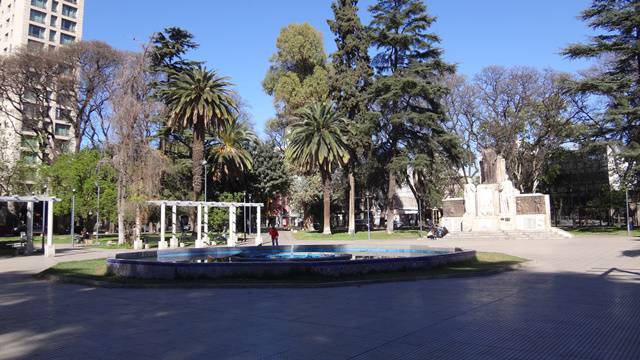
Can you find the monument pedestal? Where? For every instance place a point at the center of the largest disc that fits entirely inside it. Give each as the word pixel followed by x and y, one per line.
pixel 495 205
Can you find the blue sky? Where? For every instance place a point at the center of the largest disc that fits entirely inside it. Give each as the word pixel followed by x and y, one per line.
pixel 237 37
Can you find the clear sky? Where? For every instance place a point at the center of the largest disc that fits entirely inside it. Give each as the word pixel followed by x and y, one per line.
pixel 237 37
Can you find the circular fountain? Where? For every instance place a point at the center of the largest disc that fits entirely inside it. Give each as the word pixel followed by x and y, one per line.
pixel 280 261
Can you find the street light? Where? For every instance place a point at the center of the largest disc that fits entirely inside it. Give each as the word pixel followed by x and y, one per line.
pixel 249 214
pixel 98 214
pixel 626 205
pixel 73 213
pixel 420 215
pixel 367 195
pixel 204 163
pixel 44 207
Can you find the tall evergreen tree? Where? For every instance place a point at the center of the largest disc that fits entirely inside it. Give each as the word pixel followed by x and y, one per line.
pixel 349 83
pixel 408 90
pixel 619 81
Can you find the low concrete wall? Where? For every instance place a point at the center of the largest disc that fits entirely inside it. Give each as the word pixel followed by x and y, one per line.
pixel 127 265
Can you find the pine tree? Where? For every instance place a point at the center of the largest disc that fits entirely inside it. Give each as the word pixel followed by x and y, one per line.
pixel 408 91
pixel 349 83
pixel 619 81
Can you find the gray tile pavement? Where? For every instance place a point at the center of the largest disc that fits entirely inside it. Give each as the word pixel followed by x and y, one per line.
pixel 565 304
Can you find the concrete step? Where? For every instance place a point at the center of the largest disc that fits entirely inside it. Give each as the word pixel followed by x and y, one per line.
pixel 505 235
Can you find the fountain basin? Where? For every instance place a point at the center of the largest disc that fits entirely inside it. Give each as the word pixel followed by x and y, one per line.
pixel 280 261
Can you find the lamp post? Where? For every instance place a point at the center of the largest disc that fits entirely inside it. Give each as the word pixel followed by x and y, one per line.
pixel 73 214
pixel 44 209
pixel 98 214
pixel 250 214
pixel 626 205
pixel 420 216
pixel 204 164
pixel 367 195
pixel 244 216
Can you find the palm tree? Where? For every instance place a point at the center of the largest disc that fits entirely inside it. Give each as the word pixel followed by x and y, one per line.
pixel 229 153
pixel 317 141
pixel 198 99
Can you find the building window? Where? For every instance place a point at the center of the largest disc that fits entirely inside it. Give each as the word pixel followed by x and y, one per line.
pixel 62 130
pixel 68 25
pixel 37 16
pixel 52 35
pixel 53 21
pixel 66 39
pixel 62 146
pixel 63 114
pixel 29 142
pixel 36 31
pixel 39 3
pixel 54 6
pixel 34 45
pixel 69 11
pixel 29 158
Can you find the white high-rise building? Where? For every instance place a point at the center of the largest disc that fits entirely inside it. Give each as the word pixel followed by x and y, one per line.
pixel 38 24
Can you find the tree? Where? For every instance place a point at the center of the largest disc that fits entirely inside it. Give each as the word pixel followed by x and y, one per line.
pixel 349 83
pixel 269 175
pixel 317 142
pixel 463 109
pixel 198 99
pixel 298 74
pixel 619 80
pixel 29 82
pixel 229 153
pixel 525 115
pixel 407 91
pixel 86 93
pixel 81 172
pixel 139 165
pixel 169 47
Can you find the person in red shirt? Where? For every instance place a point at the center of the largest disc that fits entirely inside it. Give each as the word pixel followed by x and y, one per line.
pixel 274 235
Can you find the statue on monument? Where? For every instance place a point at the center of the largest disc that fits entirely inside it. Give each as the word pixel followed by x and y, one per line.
pixel 492 167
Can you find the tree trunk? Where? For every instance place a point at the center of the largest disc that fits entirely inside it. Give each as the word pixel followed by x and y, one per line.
pixel 197 155
pixel 120 195
pixel 390 201
pixel 138 223
pixel 326 203
pixel 352 202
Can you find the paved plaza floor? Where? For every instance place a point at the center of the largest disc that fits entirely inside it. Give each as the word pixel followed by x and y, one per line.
pixel 577 299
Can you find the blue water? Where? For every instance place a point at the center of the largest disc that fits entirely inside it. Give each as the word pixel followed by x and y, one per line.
pixel 296 255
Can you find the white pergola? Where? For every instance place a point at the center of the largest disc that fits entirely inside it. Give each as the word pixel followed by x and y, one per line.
pixel 49 248
pixel 202 212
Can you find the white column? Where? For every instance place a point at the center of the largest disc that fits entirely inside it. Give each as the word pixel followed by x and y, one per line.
pixel 258 235
pixel 29 228
pixel 162 244
pixel 173 243
pixel 231 241
pixel 49 249
pixel 199 243
pixel 206 225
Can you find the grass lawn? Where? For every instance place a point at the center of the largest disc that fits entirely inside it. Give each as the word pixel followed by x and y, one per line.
pixel 96 270
pixel 360 235
pixel 605 230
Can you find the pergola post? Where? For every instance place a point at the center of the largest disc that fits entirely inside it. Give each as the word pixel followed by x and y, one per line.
pixel 162 244
pixel 205 239
pixel 199 243
pixel 258 235
pixel 173 243
pixel 49 249
pixel 29 248
pixel 231 241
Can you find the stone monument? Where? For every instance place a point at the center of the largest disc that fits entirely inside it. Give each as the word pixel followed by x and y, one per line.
pixel 495 204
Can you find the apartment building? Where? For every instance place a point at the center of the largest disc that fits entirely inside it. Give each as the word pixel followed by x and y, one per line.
pixel 37 24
